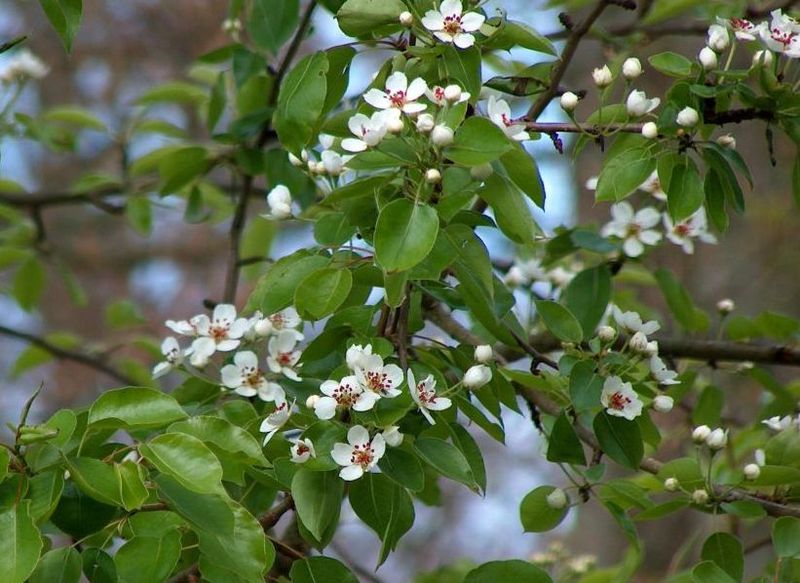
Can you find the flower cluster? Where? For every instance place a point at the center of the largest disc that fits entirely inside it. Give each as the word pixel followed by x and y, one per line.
pixel 23 64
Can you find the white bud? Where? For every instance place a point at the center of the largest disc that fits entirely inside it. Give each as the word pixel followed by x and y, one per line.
pixel 406 18
pixel 515 277
pixel 312 401
pixel 762 58
pixel 652 348
pixel 442 136
pixel 606 333
pixel 484 354
pixel 425 122
pixel 717 439
pixel 650 130
pixel 631 68
pixel 477 376
pixel 433 176
pixel 638 104
pixel 760 457
pixel 557 499
pixel 295 161
pixel 638 343
pixel 699 496
pixel 719 38
pixel 317 167
pixel 663 403
pixel 602 76
pixel 727 141
pixel 395 125
pixel 263 327
pixel 569 101
pixel 752 471
pixel 688 117
pixel 392 436
pixel 452 93
pixel 481 171
pixel 707 58
pixel 700 433
pixel 671 485
pixel 199 360
pixel 726 306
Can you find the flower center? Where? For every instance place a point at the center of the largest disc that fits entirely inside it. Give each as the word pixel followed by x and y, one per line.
pixel 506 120
pixel 362 455
pixel 398 98
pixel 425 396
pixel 345 395
pixel 682 230
pixel 252 377
pixel 172 356
pixel 378 381
pixel 219 331
pixel 302 448
pixel 785 37
pixel 618 401
pixel 741 24
pixel 633 230
pixel 438 94
pixel 284 358
pixel 277 321
pixel 452 24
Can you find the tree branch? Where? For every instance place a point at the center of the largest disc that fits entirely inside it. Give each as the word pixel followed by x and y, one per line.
pixel 272 517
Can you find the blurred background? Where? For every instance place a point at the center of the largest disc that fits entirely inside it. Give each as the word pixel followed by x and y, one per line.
pixel 124 48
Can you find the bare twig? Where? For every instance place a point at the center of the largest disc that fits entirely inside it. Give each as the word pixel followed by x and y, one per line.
pixel 272 517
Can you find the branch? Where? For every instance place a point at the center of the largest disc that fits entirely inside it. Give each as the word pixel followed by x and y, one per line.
pixel 272 517
pixel 66 354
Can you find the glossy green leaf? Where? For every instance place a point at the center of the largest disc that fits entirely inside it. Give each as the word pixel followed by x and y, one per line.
pixel 524 173
pixel 301 101
pixel 536 514
pixel 478 141
pixel 511 570
pixel 587 297
pixel 134 408
pixel 620 439
pixel 61 565
pixel 710 572
pixel 559 320
pixel 685 193
pixel 65 18
pixel 726 551
pixel 321 292
pixel 271 23
pixel 319 570
pixel 623 173
pixel 786 536
pixel 510 209
pixel 275 290
pixel 223 435
pixel 585 386
pixel 564 444
pixel 29 283
pixel 362 17
pixel 405 234
pixel 186 459
pixel 671 64
pixel 317 497
pixel 145 559
pixel 446 459
pixel 98 566
pixel 403 467
pixel 20 542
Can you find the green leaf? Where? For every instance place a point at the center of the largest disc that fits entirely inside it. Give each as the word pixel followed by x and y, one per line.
pixel 671 64
pixel 321 292
pixel 584 386
pixel 685 192
pixel 301 101
pixel 403 467
pixel 29 282
pixel 383 506
pixel 97 478
pixel 709 572
pixel 786 536
pixel 333 229
pixel 221 434
pixel 134 408
pixel 139 213
pixel 318 498
pixel 320 570
pixel 4 459
pixel 58 566
pixel 680 304
pixel 362 187
pixel 587 297
pixel 564 444
pixel 462 67
pixel 726 551
pixel 560 321
pixel 469 447
pixel 620 439
pixel 519 34
pixel 536 514
pixel 362 17
pixel 478 141
pixel 510 209
pixel 75 116
pixel 271 23
pixel 186 459
pixel 65 18
pixel 445 459
pixel 20 542
pixel 275 290
pixel 512 570
pixel 179 168
pixel 405 234
pixel 123 314
pixel 622 174
pixel 98 566
pixel 207 512
pixel 132 491
pixel 145 559
pixel 686 470
pixel 523 171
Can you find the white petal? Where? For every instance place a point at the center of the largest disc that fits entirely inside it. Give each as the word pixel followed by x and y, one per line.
pixel 472 21
pixel 450 7
pixel 325 408
pixel 394 374
pixel 351 473
pixel 161 369
pixel 231 376
pixel 203 347
pixel 269 391
pixel 328 387
pixel 414 107
pixel 464 41
pixel 632 247
pixel 352 145
pixel 342 453
pixel 622 212
pixel 378 447
pixel 227 345
pixel 397 81
pixel 649 237
pixel 224 312
pixel 377 98
pixel 433 20
pixel 366 401
pixel 245 391
pixel 357 434
pixel 648 217
pixel 416 89
pixel 169 345
pixel 445 37
pixel 440 404
pixel 246 359
pixel 427 415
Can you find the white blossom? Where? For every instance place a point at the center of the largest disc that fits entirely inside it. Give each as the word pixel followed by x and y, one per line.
pixel 652 186
pixel 334 163
pixel 557 499
pixel 778 423
pixel 279 200
pixel 356 356
pixel 743 29
pixel 392 436
pixel 360 454
pixel 344 394
pixel 442 136
pixel 286 319
pixel 700 496
pixel 631 322
pixel 717 439
pixel 424 395
pixel 727 141
pixel 283 357
pixel 23 63
pixel 638 342
pixel 569 101
pixel 707 58
pixel 671 485
pixel 222 332
pixel 701 433
pixel 500 115
pixel 726 306
pixel 173 357
pixel 762 58
pixel 302 451
pixel 406 18
pixel 781 35
pixel 369 131
pixel 451 25
pixel 650 130
pixel 606 333
pixel 275 420
pixel 686 231
pixel 602 76
pixel 483 354
pixel 635 229
pixel 631 68
pixel 688 117
pixel 638 104
pixel 752 471
pixel 718 38
pixel 381 379
pixel 433 176
pixel 425 123
pixel 663 403
pixel 477 376
pixel 661 373
pixel 246 378
pixel 399 94
pixel 620 399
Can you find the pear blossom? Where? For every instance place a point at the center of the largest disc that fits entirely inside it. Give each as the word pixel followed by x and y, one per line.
pixel 700 433
pixel 444 95
pixel 334 163
pixel 525 272
pixel 663 403
pixel 433 176
pixel 425 123
pixel 781 35
pixel 23 63
pixel 275 420
pixel 661 373
pixel 638 104
pixel 381 379
pixel 369 131
pixel 500 115
pixel 222 332
pixel 631 68
pixel 727 141
pixel 442 136
pixel 764 58
pixel 700 496
pixel 726 306
pixel 620 399
pixel 406 18
pixel 424 395
pixel 246 378
pixel 184 327
pixel 451 25
pixel 778 423
pixel 718 38
pixel 302 451
pixel 286 319
pixel 557 499
pixel 631 322
pixel 484 354
pixel 638 343
pixel 635 229
pixel 312 400
pixel 399 94
pixel 688 117
pixel 652 186
pixel 602 76
pixel 360 454
pixel 392 436
pixel 568 101
pixel 686 231
pixel 279 200
pixel 356 356
pixel 173 357
pixel 752 471
pixel 742 29
pixel 282 356
pixel 707 58
pixel 717 439
pixel 606 333
pixel 650 130
pixel 671 485
pixel 345 394
pixel 477 376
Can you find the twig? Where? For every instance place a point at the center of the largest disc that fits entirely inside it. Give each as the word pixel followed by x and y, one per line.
pixel 272 517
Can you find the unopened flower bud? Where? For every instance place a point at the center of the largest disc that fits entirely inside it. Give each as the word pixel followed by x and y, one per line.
pixel 650 130
pixel 452 93
pixel 406 18
pixel 631 68
pixel 752 471
pixel 700 496
pixel 762 58
pixel 557 499
pixel 392 436
pixel 718 38
pixel 727 141
pixel 569 101
pixel 606 333
pixel 717 439
pixel 295 161
pixel 484 354
pixel 638 343
pixel 602 77
pixel 671 485
pixel 726 306
pixel 312 401
pixel 477 376
pixel 481 171
pixel 395 125
pixel 700 433
pixel 425 122
pixel 688 117
pixel 433 176
pixel 663 403
pixel 652 348
pixel 263 327
pixel 707 58
pixel 442 136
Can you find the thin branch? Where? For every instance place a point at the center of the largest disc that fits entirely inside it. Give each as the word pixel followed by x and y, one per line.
pixel 272 517
pixel 66 354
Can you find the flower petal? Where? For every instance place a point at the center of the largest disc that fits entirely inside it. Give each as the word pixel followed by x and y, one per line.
pixel 357 434
pixel 342 454
pixel 351 473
